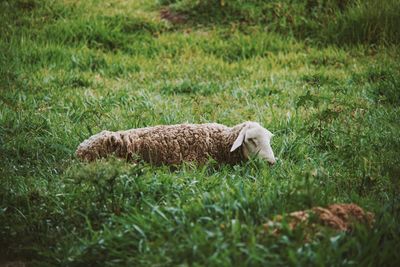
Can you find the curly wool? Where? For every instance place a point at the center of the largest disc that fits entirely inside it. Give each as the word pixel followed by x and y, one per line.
pixel 166 144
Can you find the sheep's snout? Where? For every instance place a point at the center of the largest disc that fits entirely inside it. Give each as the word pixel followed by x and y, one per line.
pixel 267 154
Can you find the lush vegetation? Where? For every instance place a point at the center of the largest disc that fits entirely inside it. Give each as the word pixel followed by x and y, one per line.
pixel 322 75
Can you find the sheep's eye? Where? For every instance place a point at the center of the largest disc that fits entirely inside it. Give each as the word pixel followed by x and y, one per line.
pixel 253 141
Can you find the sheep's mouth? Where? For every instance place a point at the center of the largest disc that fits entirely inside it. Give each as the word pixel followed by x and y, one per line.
pixel 258 154
pixel 266 158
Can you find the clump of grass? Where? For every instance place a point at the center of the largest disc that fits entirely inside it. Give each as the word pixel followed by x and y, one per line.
pixel 383 83
pixel 189 87
pixel 318 79
pixel 76 81
pixel 387 91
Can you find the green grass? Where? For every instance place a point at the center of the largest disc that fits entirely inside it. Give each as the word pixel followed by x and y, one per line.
pixel 70 69
pixel 317 21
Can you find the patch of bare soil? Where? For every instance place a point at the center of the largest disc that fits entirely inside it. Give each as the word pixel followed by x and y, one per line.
pixel 339 217
pixel 172 16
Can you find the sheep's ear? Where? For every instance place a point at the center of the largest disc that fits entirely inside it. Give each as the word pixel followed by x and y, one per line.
pixel 239 140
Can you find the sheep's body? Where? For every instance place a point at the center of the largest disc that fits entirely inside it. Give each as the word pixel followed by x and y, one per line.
pixel 163 144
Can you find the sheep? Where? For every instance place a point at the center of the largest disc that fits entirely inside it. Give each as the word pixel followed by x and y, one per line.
pixel 175 144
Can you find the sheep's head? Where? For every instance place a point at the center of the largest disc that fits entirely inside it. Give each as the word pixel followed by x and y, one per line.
pixel 255 140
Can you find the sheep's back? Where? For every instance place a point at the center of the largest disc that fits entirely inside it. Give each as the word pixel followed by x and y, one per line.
pixel 173 144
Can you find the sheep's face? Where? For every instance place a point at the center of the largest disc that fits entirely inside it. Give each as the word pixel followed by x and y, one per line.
pixel 255 141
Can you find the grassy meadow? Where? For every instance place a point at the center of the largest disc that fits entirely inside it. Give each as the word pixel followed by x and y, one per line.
pixel 322 75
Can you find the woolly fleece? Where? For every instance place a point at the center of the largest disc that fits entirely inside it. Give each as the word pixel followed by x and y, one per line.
pixel 166 144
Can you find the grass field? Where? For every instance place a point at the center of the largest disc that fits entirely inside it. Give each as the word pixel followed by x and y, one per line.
pixel 323 76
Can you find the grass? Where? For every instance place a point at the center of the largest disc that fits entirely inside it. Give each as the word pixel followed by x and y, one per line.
pixel 317 21
pixel 69 69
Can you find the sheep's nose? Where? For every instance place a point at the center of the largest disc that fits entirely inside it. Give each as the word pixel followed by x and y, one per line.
pixel 272 162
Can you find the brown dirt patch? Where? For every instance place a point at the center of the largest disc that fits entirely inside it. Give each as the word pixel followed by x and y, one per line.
pixel 339 217
pixel 172 16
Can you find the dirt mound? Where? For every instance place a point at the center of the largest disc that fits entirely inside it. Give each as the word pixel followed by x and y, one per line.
pixel 340 217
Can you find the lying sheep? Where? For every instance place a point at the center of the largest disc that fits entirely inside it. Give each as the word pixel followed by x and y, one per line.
pixel 174 144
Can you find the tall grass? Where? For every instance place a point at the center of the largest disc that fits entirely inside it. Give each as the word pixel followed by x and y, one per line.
pixel 323 21
pixel 373 22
